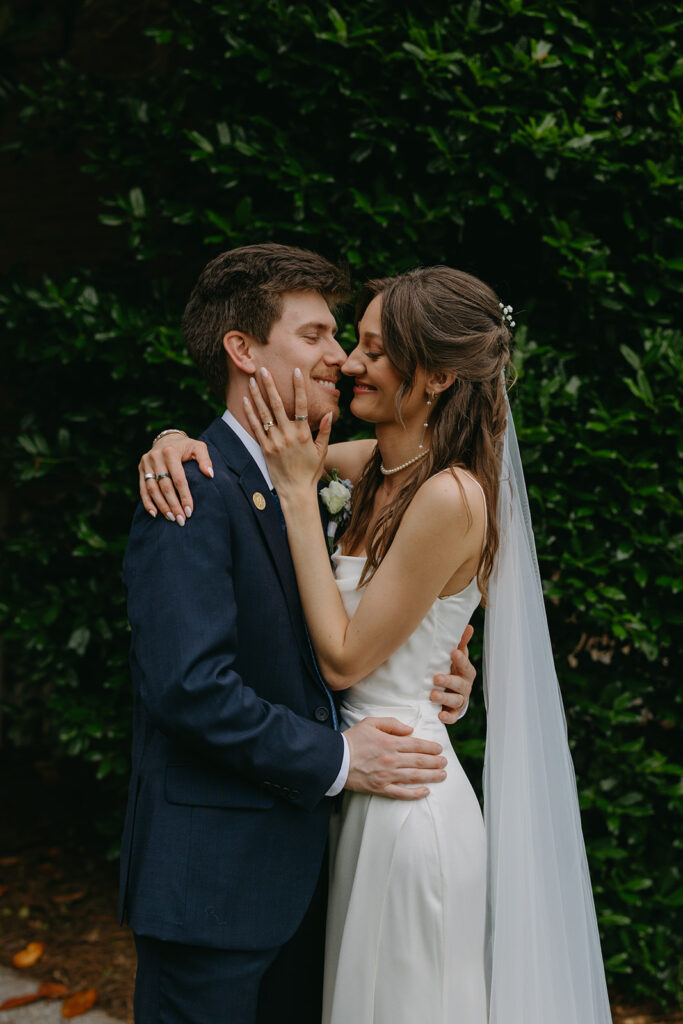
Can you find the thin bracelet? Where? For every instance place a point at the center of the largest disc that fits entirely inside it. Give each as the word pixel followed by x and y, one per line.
pixel 171 430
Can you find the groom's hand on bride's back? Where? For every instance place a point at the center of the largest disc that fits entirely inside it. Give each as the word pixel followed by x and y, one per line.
pixel 452 691
pixel 386 759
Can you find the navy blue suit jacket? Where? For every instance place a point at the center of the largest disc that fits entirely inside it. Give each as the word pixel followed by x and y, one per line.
pixel 234 744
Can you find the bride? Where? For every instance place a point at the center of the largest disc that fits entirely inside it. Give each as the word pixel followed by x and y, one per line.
pixel 432 915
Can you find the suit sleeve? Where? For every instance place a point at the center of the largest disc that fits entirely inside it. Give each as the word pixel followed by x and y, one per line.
pixel 183 615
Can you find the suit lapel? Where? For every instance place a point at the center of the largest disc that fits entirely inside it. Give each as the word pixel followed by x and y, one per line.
pixel 264 508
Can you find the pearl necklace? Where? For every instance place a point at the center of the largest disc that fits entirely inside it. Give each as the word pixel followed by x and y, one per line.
pixel 387 472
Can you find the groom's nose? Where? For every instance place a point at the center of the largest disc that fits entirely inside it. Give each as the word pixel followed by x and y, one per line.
pixel 336 355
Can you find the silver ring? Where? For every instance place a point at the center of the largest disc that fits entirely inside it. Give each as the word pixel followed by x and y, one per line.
pixel 161 476
pixel 150 476
pixel 268 425
pixel 301 419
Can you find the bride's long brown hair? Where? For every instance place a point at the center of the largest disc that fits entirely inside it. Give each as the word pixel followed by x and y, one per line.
pixel 441 320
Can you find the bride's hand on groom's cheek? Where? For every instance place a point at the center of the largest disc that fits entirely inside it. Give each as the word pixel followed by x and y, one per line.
pixel 161 477
pixel 453 691
pixel 295 458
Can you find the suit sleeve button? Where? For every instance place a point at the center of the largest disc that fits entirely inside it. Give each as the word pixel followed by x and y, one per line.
pixel 321 714
pixel 295 794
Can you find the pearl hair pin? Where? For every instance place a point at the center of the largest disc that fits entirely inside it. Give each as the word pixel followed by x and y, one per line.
pixel 507 315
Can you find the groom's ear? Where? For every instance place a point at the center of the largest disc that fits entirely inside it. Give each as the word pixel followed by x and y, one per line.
pixel 239 347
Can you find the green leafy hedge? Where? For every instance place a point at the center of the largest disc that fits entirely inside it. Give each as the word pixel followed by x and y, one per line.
pixel 534 145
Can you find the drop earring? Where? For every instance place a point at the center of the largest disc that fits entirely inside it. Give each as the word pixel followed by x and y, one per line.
pixel 431 398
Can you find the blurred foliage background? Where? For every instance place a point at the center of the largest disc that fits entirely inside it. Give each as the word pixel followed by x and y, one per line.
pixel 534 144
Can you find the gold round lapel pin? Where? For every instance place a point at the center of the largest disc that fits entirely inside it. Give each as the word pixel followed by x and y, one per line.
pixel 258 500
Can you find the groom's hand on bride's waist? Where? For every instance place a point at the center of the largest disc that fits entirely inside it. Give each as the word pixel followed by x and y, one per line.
pixel 386 759
pixel 453 691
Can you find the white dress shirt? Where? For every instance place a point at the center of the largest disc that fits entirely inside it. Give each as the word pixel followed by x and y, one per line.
pixel 254 449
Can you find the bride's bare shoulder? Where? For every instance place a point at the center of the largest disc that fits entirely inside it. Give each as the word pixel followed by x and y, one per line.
pixel 453 494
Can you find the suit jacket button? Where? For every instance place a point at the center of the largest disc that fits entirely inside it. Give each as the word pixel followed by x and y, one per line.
pixel 295 794
pixel 321 714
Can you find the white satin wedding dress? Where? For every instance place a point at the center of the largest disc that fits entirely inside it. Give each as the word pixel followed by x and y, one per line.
pixel 407 903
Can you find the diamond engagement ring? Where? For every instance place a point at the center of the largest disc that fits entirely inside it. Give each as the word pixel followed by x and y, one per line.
pixel 268 425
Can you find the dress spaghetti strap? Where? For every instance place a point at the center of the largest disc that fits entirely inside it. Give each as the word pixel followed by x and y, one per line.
pixel 486 514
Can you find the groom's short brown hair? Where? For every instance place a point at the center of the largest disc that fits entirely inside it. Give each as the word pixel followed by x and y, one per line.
pixel 241 290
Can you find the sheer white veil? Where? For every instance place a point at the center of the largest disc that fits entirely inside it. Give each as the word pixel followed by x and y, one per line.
pixel 543 949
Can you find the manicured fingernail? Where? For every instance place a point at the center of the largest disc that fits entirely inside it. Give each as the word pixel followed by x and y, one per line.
pixel 152 512
pixel 188 511
pixel 180 520
pixel 169 516
pixel 264 372
pixel 297 372
pixel 211 472
pixel 252 384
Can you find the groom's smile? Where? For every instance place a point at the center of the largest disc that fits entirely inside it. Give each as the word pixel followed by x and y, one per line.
pixel 329 383
pixel 304 337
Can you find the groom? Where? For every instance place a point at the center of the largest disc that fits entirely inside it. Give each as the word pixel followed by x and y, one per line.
pixel 236 746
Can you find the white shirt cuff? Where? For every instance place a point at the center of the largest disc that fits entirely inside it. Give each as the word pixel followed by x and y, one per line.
pixel 340 781
pixel 464 711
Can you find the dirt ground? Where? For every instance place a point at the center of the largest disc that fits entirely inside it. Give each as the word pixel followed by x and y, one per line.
pixel 58 888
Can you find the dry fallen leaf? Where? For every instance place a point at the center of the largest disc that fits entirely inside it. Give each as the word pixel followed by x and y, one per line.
pixel 52 990
pixel 3 889
pixel 68 897
pixel 11 1004
pixel 27 957
pixel 6 862
pixel 79 1003
pixel 48 990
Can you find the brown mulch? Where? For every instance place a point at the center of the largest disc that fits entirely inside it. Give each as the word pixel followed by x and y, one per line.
pixel 57 887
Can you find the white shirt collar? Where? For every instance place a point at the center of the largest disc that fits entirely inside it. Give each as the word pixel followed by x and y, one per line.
pixel 250 443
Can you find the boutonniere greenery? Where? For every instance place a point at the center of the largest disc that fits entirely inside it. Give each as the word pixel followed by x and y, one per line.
pixel 336 497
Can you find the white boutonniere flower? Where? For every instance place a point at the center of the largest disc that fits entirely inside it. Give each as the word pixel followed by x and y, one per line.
pixel 336 498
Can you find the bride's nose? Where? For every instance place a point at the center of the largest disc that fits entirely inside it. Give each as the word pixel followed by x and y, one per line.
pixel 353 365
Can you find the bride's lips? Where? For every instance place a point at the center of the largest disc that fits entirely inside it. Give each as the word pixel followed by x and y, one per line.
pixel 330 385
pixel 359 388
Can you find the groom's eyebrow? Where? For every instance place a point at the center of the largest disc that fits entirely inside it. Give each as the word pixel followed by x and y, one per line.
pixel 317 327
